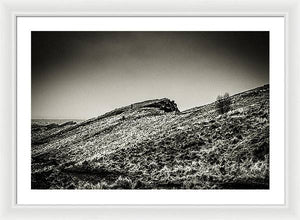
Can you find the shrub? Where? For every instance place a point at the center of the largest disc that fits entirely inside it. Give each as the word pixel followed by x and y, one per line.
pixel 223 103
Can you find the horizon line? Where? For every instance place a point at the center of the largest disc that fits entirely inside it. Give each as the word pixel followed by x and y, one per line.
pixel 145 101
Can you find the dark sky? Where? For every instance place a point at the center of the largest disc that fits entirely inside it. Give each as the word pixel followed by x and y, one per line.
pixel 85 74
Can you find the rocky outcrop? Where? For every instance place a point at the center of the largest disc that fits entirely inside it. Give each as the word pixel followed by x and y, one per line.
pixel 165 105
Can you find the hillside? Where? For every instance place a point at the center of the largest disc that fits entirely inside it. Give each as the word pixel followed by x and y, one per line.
pixel 152 145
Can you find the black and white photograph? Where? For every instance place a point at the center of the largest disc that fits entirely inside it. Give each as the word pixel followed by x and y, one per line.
pixel 150 110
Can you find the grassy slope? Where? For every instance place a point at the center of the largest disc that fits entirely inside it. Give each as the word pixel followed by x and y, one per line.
pixel 141 146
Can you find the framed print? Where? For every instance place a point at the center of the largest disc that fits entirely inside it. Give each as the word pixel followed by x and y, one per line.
pixel 100 95
pixel 123 114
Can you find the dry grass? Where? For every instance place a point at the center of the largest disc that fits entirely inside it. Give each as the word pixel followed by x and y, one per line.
pixel 148 148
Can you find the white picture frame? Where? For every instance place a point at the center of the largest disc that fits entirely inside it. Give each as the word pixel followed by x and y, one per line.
pixel 9 12
pixel 273 196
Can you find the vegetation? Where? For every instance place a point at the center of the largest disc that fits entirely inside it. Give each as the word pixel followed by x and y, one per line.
pixel 148 146
pixel 223 103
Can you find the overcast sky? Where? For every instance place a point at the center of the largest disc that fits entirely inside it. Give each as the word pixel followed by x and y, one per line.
pixel 79 75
